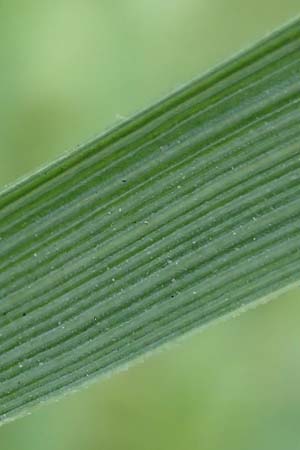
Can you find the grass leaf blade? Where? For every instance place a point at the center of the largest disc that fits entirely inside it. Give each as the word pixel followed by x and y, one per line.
pixel 185 213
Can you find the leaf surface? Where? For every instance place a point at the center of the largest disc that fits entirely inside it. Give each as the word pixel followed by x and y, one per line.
pixel 186 213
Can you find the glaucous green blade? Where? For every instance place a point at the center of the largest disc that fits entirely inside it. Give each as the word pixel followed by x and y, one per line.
pixel 185 213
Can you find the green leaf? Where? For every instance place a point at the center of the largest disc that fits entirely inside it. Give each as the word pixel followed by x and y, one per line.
pixel 184 214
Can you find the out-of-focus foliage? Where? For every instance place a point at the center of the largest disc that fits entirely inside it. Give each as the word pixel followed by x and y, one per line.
pixel 69 69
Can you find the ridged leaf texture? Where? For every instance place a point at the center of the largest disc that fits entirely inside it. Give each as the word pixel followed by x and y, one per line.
pixel 185 213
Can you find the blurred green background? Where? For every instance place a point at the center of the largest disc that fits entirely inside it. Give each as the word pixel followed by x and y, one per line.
pixel 70 69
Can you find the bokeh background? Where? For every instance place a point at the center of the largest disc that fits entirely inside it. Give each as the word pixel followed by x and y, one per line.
pixel 70 69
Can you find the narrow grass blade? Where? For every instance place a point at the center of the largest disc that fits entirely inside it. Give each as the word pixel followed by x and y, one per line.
pixel 185 213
